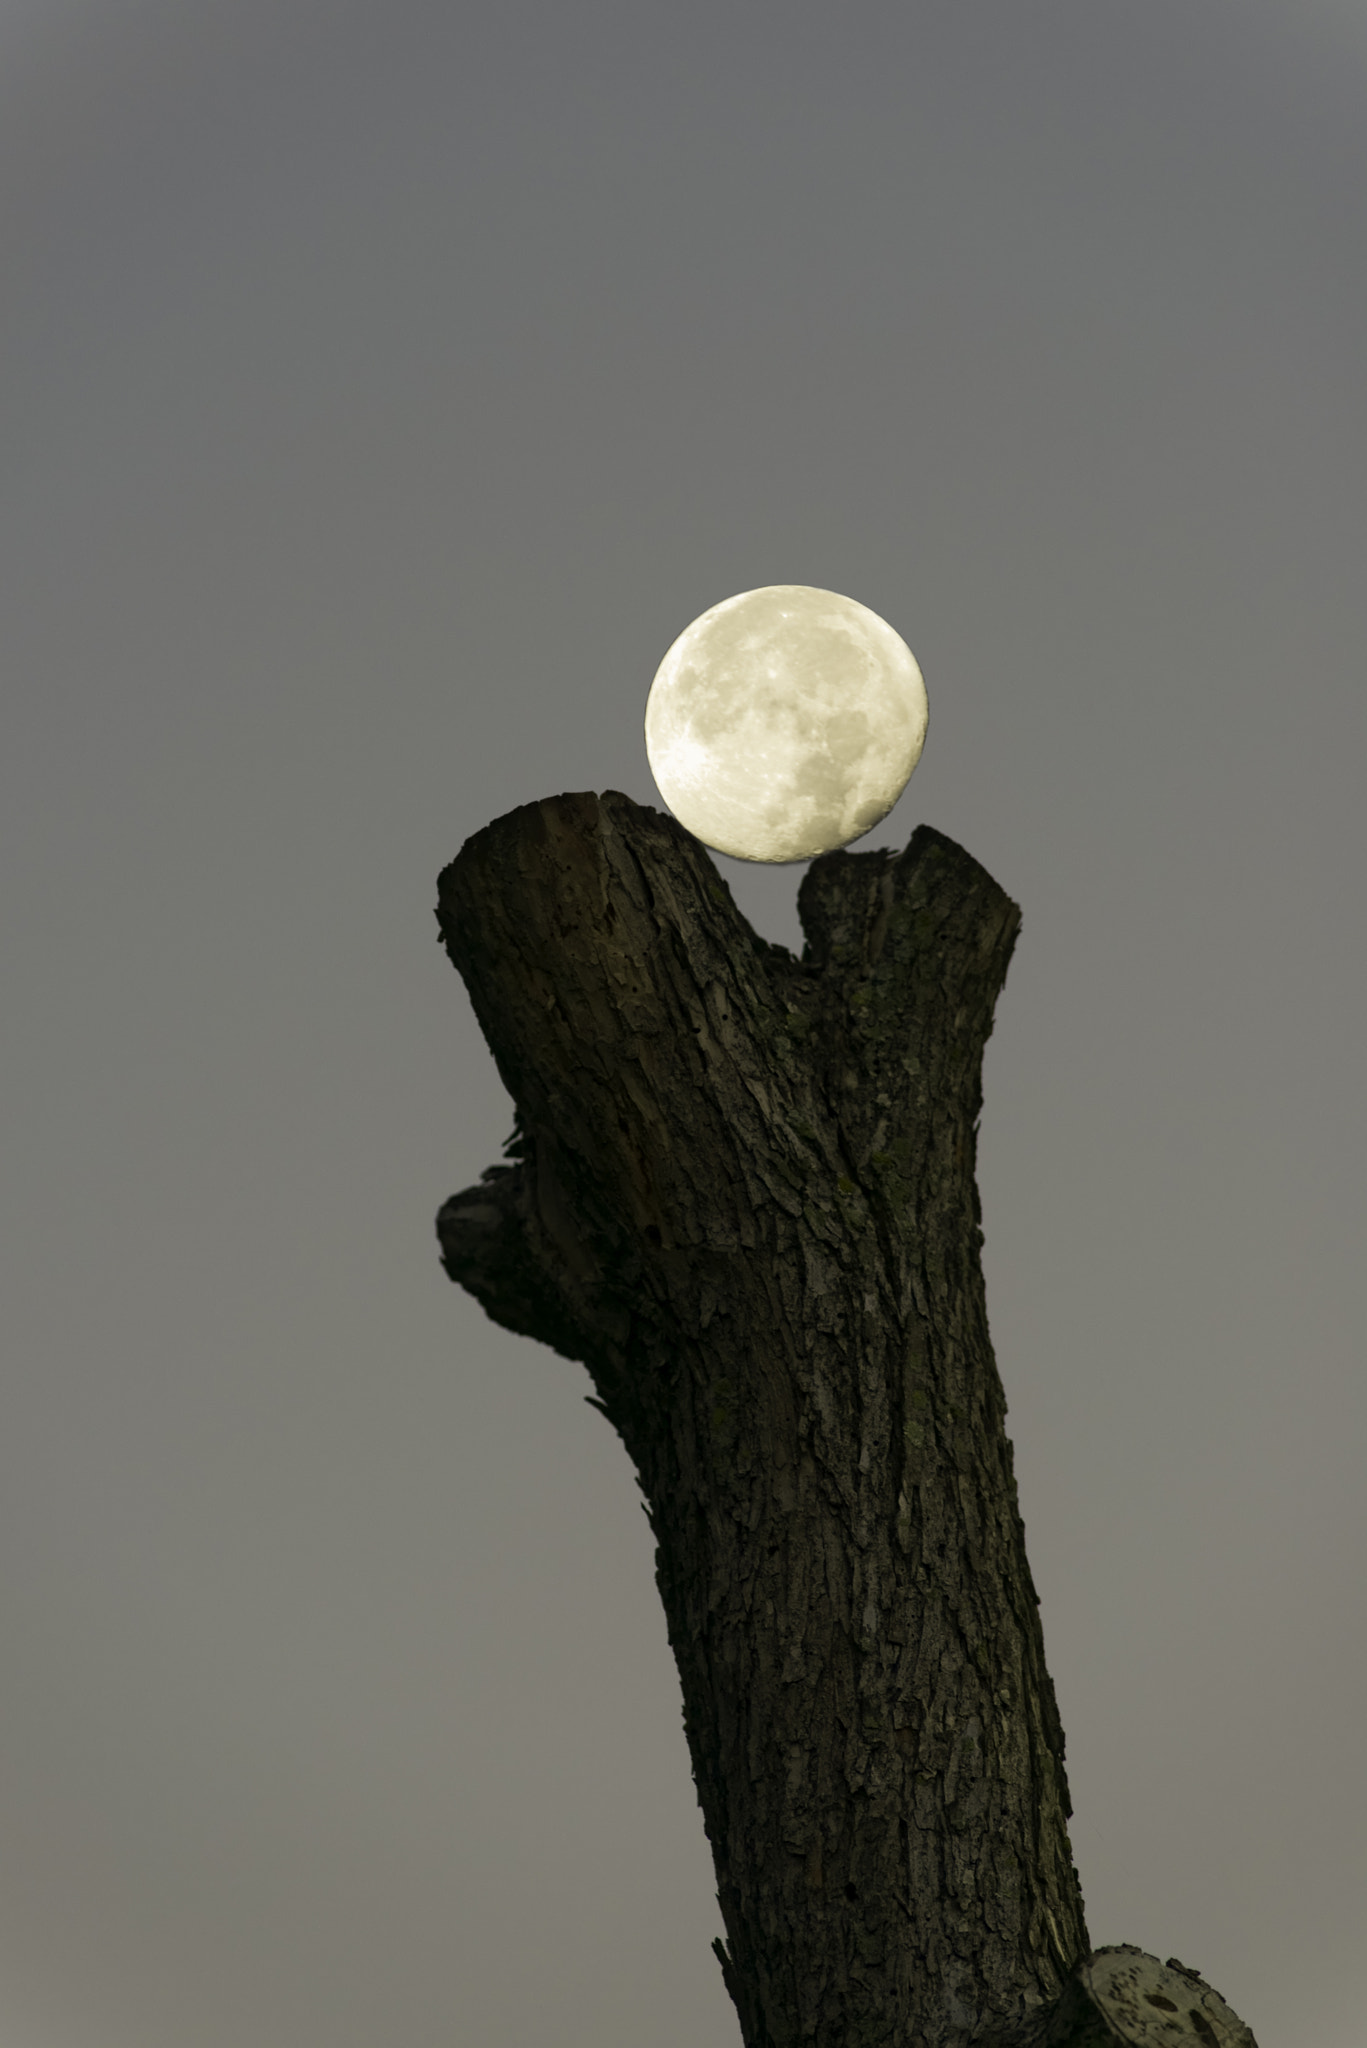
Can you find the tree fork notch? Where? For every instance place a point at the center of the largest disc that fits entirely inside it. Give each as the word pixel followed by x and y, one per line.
pixel 742 1192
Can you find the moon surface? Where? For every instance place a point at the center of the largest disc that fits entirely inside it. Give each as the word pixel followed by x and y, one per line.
pixel 785 722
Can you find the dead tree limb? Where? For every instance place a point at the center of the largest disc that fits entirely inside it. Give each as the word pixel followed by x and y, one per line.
pixel 741 1191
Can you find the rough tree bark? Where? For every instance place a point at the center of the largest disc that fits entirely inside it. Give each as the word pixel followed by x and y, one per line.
pixel 741 1190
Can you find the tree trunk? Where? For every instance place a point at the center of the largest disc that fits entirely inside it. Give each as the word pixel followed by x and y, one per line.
pixel 742 1193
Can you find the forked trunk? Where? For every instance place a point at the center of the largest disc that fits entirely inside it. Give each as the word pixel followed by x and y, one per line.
pixel 742 1192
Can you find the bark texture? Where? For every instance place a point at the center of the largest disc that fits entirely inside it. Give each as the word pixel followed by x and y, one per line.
pixel 741 1191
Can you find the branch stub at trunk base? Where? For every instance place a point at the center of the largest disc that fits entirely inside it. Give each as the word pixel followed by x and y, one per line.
pixel 1122 1998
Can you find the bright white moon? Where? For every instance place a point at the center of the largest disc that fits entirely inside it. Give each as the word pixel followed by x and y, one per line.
pixel 785 722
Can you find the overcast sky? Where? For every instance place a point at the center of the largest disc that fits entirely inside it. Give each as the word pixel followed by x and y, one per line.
pixel 385 387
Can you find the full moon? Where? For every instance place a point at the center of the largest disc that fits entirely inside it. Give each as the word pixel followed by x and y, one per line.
pixel 784 723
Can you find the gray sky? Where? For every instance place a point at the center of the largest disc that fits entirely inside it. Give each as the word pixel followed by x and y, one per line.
pixel 385 387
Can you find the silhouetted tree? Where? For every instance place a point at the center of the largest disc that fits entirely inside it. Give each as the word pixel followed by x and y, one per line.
pixel 741 1190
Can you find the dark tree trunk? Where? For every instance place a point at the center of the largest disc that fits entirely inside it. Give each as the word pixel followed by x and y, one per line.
pixel 742 1192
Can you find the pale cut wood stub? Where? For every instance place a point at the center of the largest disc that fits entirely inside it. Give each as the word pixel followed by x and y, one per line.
pixel 1122 1998
pixel 741 1190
